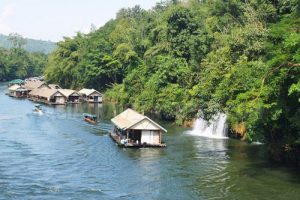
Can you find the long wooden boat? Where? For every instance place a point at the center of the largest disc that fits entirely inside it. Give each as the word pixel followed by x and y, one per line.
pixel 90 118
pixel 38 109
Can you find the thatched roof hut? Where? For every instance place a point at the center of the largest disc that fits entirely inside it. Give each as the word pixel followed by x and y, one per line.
pixel 137 129
pixel 91 95
pixel 71 95
pixel 49 96
pixel 17 91
pixel 17 87
pixel 35 84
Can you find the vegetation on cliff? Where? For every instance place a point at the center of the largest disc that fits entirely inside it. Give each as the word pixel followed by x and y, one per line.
pixel 233 56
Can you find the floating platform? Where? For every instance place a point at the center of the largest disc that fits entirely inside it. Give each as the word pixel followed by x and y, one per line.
pixel 117 139
pixel 17 97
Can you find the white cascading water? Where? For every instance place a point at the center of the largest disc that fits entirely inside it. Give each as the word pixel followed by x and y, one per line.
pixel 215 128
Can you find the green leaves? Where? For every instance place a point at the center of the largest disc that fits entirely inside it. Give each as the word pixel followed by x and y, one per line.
pixel 18 63
pixel 237 57
pixel 295 89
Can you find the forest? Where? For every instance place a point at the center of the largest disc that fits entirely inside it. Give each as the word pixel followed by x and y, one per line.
pixel 30 45
pixel 182 59
pixel 16 62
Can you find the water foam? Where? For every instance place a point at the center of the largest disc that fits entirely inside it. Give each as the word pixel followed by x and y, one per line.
pixel 215 128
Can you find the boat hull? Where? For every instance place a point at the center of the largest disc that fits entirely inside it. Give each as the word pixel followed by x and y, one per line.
pixel 90 121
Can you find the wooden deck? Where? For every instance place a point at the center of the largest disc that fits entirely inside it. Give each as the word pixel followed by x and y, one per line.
pixel 116 138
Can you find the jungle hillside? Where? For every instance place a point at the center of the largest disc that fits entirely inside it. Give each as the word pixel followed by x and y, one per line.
pixel 31 45
pixel 182 59
pixel 17 62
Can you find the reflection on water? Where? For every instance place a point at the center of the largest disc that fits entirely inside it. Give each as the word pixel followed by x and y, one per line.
pixel 59 156
pixel 211 175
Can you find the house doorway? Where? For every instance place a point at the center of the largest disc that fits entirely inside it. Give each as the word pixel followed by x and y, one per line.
pixel 135 136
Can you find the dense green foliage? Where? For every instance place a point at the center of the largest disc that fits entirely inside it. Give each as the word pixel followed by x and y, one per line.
pixel 18 63
pixel 234 56
pixel 38 46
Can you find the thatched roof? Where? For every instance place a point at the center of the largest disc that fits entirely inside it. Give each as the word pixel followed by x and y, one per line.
pixel 130 119
pixel 67 92
pixel 44 92
pixel 88 92
pixel 16 87
pixel 31 85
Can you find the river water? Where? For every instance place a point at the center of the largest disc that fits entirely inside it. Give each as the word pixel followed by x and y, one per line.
pixel 59 156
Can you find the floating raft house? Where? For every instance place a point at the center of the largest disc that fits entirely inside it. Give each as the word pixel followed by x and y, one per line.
pixel 17 91
pixel 133 129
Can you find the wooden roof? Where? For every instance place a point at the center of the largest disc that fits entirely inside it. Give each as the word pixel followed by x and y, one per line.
pixel 67 92
pixel 88 92
pixel 44 92
pixel 31 85
pixel 130 119
pixel 15 87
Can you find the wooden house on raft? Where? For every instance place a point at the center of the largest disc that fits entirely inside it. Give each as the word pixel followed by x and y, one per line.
pixel 90 95
pixel 35 84
pixel 17 91
pixel 47 96
pixel 133 129
pixel 71 95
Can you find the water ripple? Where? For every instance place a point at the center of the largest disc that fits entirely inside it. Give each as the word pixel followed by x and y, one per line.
pixel 59 156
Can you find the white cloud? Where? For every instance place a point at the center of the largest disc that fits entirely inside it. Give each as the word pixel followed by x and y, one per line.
pixel 5 13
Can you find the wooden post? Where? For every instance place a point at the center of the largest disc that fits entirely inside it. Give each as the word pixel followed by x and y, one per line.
pixel 159 137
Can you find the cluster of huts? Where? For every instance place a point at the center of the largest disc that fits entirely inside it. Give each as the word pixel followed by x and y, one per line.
pixel 38 91
pixel 131 129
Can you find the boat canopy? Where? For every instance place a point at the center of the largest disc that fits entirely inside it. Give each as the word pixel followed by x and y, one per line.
pixel 87 115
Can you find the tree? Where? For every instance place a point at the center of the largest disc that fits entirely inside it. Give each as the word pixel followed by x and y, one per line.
pixel 17 40
pixel 237 57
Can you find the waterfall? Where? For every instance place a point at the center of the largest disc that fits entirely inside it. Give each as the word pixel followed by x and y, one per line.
pixel 215 128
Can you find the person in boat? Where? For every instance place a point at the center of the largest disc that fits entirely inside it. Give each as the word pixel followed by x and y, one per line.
pixel 90 118
pixel 37 108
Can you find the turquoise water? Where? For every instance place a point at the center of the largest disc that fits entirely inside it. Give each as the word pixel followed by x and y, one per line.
pixel 59 156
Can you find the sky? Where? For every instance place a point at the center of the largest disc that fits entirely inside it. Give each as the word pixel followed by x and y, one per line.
pixel 53 19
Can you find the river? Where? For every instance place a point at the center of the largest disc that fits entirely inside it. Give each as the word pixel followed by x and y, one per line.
pixel 59 156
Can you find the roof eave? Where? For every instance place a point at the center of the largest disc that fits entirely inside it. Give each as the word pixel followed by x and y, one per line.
pixel 145 117
pixel 125 128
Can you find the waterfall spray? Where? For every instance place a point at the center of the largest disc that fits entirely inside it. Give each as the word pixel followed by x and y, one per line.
pixel 214 128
